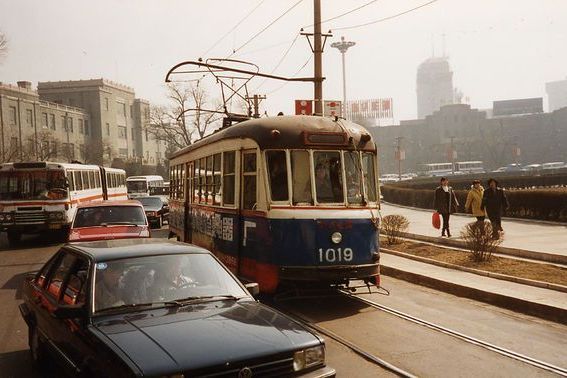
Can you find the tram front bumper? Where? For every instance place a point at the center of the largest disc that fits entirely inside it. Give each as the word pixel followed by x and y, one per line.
pixel 332 273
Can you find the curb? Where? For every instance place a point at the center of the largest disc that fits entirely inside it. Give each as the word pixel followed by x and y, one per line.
pixel 539 310
pixel 540 256
pixel 505 277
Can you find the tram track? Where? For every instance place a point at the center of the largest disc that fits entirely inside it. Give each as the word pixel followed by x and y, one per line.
pixel 461 336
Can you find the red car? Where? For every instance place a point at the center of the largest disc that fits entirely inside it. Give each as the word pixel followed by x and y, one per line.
pixel 109 220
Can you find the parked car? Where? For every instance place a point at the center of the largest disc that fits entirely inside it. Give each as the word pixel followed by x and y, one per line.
pixel 156 208
pixel 109 220
pixel 389 177
pixel 553 166
pixel 150 307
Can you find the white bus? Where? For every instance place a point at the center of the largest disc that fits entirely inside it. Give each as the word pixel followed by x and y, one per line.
pixel 467 167
pixel 436 169
pixel 141 186
pixel 39 196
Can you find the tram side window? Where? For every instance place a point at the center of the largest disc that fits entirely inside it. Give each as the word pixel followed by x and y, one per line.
pixel 301 178
pixel 277 174
pixel 228 178
pixel 249 181
pixel 209 179
pixel 328 177
pixel 353 179
pixel 369 177
pixel 217 200
pixel 196 185
pixel 180 181
pixel 202 184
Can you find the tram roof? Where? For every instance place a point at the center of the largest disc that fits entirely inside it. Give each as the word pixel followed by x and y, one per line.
pixel 293 132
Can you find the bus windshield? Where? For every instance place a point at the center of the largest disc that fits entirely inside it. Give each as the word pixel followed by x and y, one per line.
pixel 33 185
pixel 137 186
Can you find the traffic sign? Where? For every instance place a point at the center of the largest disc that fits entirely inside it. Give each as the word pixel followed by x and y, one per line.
pixel 303 107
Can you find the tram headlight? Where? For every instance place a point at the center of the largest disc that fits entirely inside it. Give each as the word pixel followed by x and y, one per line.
pixel 309 357
pixel 336 237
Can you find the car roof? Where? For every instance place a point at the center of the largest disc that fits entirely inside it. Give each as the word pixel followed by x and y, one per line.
pixel 110 203
pixel 105 250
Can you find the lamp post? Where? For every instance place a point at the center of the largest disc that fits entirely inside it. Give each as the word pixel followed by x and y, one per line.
pixel 343 46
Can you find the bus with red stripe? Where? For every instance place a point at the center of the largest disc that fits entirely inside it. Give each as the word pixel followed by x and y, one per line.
pixel 41 196
pixel 282 199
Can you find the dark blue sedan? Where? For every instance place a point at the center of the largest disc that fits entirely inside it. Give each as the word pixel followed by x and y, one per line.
pixel 144 307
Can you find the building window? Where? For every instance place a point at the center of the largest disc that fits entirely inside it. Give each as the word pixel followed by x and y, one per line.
pixel 13 115
pixel 44 120
pixel 106 103
pixel 146 135
pixel 108 129
pixel 121 108
pixel 63 120
pixel 82 151
pixel 53 148
pixel 81 127
pixel 122 133
pixel 70 124
pixel 52 121
pixel 133 136
pixel 87 129
pixel 29 117
pixel 131 111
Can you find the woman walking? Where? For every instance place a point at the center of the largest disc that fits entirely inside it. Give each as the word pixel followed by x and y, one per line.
pixel 445 202
pixel 474 201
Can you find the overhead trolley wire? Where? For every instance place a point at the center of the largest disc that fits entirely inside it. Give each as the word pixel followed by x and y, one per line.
pixel 294 75
pixel 234 27
pixel 344 14
pixel 279 62
pixel 386 18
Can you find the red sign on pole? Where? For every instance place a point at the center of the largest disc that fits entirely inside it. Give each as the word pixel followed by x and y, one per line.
pixel 303 107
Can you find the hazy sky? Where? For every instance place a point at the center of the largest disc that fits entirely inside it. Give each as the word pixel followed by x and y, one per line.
pixel 498 49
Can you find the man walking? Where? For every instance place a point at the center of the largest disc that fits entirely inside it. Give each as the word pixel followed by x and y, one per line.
pixel 494 201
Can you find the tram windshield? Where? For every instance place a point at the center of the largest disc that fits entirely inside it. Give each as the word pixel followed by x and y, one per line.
pixel 33 185
pixel 330 170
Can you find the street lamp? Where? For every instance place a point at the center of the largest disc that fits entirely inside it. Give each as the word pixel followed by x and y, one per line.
pixel 343 46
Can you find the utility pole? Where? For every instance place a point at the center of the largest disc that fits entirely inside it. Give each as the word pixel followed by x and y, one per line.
pixel 399 156
pixel 343 46
pixel 256 102
pixel 318 52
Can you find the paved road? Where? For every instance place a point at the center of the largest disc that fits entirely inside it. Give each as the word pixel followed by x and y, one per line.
pixel 531 236
pixel 33 253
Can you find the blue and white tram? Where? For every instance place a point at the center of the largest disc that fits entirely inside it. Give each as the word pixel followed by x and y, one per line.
pixel 288 198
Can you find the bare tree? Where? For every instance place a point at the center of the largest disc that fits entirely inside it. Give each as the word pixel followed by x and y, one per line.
pixel 479 241
pixel 176 124
pixel 41 147
pixel 394 226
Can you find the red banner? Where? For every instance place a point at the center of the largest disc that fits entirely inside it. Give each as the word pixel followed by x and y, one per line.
pixel 303 107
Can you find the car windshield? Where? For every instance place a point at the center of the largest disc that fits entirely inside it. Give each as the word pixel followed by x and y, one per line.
pixel 109 215
pixel 150 201
pixel 32 185
pixel 136 186
pixel 150 280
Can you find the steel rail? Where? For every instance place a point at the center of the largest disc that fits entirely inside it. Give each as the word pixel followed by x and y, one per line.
pixel 472 340
pixel 355 348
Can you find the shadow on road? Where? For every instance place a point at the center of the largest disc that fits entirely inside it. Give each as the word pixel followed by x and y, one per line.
pixel 31 241
pixel 18 364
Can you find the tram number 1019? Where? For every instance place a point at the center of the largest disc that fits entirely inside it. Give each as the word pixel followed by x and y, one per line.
pixel 335 255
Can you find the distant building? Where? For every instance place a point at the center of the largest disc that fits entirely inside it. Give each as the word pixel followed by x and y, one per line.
pixel 517 107
pixel 434 86
pixel 94 121
pixel 556 94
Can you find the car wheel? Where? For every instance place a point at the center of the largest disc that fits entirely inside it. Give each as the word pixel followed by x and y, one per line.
pixel 14 237
pixel 37 348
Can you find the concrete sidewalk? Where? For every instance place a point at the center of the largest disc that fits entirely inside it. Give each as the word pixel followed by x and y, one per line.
pixel 528 238
pixel 540 302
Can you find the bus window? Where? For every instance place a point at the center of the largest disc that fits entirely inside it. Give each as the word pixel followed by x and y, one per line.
pixel 85 176
pixel 301 178
pixel 369 178
pixel 78 180
pixel 228 178
pixel 249 181
pixel 277 174
pixel 97 180
pixel 217 200
pixel 92 179
pixel 353 179
pixel 71 180
pixel 328 177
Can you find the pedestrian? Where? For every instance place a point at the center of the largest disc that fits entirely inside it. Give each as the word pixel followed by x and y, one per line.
pixel 474 201
pixel 445 202
pixel 494 201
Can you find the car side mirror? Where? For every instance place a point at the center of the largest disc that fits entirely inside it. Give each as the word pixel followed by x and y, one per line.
pixel 70 311
pixel 253 288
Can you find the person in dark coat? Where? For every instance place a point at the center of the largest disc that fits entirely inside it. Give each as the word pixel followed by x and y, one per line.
pixel 494 201
pixel 445 202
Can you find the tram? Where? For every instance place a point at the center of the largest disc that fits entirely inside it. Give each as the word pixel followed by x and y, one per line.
pixel 287 198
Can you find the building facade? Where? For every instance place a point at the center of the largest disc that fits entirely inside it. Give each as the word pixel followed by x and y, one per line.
pixel 95 121
pixel 556 94
pixel 434 86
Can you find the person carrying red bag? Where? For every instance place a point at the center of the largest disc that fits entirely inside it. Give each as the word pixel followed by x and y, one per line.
pixel 445 203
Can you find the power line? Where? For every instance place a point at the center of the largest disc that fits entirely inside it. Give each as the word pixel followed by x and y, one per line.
pixel 266 27
pixel 248 52
pixel 294 75
pixel 234 27
pixel 386 18
pixel 344 14
pixel 279 62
